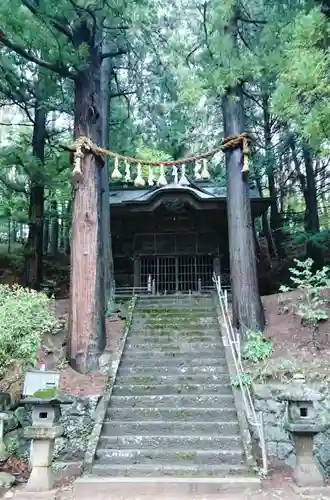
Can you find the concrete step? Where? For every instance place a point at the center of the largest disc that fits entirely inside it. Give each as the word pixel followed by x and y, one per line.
pixel 169 362
pixel 163 389
pixel 146 340
pixel 186 331
pixel 170 457
pixel 153 371
pixel 162 356
pixel 169 427
pixel 181 414
pixel 175 322
pixel 177 379
pixel 175 308
pixel 174 400
pixel 172 442
pixel 175 345
pixel 213 484
pixel 158 470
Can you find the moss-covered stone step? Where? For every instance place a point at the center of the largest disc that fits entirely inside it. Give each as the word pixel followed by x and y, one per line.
pixel 183 414
pixel 161 321
pixel 154 370
pixel 174 400
pixel 188 388
pixel 192 338
pixel 162 356
pixel 165 331
pixel 172 442
pixel 169 427
pixel 169 470
pixel 171 457
pixel 158 379
pixel 180 362
pixel 183 345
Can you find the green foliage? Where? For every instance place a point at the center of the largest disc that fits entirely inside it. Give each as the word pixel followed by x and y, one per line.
pixel 24 317
pixel 256 348
pixel 245 377
pixel 310 306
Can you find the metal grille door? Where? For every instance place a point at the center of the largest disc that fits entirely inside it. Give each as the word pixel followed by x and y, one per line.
pixel 181 274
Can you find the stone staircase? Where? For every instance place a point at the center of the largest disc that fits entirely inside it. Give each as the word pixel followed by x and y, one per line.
pixel 172 413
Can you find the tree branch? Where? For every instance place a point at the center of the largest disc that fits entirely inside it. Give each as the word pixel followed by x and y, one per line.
pixel 59 68
pixel 58 25
pixel 119 52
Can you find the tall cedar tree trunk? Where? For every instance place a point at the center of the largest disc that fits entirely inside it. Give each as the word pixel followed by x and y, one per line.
pixel 275 218
pixel 312 222
pixel 46 233
pixel 54 229
pixel 109 288
pixel 308 189
pixel 32 275
pixel 87 319
pixel 248 313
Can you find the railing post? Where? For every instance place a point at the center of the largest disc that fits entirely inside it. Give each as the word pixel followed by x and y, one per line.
pixel 153 287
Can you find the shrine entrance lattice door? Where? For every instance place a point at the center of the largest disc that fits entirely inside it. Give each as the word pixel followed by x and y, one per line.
pixel 177 274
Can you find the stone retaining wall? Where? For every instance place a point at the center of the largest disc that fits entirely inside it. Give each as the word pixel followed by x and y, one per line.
pixel 278 441
pixel 77 420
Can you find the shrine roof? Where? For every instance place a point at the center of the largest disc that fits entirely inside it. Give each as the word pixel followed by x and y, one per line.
pixel 202 191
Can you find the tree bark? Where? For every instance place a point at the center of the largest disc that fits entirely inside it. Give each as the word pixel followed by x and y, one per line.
pixel 54 229
pixel 109 286
pixel 32 276
pixel 248 313
pixel 312 222
pixel 46 233
pixel 87 319
pixel 275 219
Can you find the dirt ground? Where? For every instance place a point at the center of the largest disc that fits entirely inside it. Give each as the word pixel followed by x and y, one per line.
pixel 52 354
pixel 293 346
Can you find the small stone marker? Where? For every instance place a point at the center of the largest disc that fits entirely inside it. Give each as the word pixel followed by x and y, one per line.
pixel 3 451
pixel 41 392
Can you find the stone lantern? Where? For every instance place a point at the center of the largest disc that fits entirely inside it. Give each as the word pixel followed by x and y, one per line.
pixel 303 424
pixel 41 392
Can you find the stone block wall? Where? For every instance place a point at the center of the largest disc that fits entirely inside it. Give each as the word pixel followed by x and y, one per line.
pixel 278 441
pixel 77 420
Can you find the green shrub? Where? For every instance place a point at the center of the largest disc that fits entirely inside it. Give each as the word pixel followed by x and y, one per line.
pixel 311 304
pixel 257 347
pixel 24 317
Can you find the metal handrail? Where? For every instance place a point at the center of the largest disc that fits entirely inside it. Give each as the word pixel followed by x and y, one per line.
pixel 233 342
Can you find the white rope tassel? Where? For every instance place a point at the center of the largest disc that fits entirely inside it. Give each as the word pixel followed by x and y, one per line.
pixel 116 175
pixel 197 171
pixel 205 174
pixel 127 177
pixel 175 174
pixel 139 181
pixel 183 179
pixel 162 179
pixel 151 179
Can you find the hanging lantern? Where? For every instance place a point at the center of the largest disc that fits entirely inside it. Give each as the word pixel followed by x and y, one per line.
pixel 197 169
pixel 162 179
pixel 139 181
pixel 116 175
pixel 151 179
pixel 175 175
pixel 205 174
pixel 183 178
pixel 127 177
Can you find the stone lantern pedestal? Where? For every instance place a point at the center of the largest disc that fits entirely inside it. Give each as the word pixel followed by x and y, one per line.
pixel 40 390
pixel 302 423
